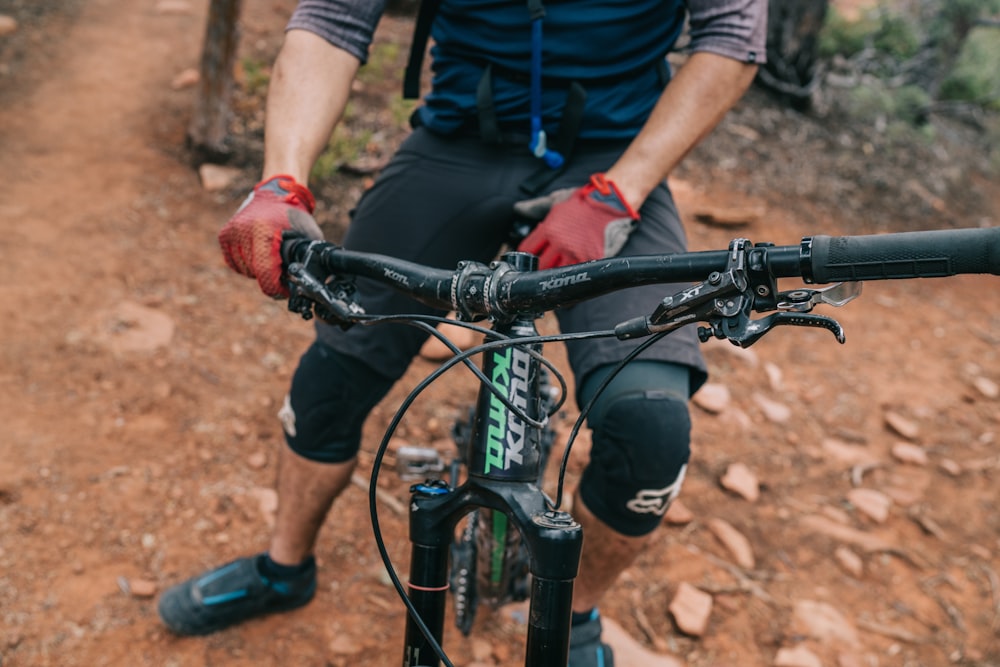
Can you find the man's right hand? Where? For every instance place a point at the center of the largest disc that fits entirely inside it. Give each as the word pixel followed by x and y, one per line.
pixel 251 240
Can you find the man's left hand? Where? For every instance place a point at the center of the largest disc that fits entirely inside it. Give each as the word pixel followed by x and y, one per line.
pixel 579 224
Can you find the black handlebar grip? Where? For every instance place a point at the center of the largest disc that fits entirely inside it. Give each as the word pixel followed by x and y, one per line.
pixel 902 255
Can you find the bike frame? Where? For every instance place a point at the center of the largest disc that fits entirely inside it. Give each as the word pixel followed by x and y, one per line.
pixel 504 466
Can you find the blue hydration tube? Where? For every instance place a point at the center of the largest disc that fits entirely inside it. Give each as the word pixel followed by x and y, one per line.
pixel 538 146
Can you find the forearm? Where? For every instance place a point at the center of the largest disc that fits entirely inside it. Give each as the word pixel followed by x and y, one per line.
pixel 309 88
pixel 693 103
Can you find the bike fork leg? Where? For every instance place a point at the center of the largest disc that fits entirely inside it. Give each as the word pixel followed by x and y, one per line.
pixel 427 587
pixel 548 633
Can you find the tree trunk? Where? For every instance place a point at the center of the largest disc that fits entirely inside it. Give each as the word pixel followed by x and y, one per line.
pixel 793 28
pixel 208 133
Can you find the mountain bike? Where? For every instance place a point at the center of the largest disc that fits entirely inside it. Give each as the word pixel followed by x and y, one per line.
pixel 504 450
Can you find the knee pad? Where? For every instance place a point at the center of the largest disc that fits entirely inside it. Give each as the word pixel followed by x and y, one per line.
pixel 641 446
pixel 329 400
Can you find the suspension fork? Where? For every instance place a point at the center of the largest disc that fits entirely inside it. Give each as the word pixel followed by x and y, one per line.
pixel 504 467
pixel 553 539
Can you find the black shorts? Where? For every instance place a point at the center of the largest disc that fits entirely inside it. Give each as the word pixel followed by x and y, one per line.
pixel 444 199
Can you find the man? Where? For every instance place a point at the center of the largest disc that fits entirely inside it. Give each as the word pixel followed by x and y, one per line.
pixel 570 98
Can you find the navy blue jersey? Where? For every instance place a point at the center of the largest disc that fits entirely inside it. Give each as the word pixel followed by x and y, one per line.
pixel 615 49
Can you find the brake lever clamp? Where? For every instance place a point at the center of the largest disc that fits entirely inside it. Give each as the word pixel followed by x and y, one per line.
pixel 330 299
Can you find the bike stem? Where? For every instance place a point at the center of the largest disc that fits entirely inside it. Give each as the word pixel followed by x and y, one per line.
pixel 504 469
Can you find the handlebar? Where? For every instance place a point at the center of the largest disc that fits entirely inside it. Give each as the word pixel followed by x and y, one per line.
pixel 504 288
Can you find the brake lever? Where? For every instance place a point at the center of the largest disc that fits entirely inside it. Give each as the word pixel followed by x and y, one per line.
pixel 744 332
pixel 332 301
pixel 803 300
pixel 725 300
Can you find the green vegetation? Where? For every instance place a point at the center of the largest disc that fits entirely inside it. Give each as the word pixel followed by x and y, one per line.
pixel 883 31
pixel 384 62
pixel 346 144
pixel 256 76
pixel 976 76
pixel 913 58
pixel 844 37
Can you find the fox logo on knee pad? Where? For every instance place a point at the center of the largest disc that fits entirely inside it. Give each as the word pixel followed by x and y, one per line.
pixel 657 501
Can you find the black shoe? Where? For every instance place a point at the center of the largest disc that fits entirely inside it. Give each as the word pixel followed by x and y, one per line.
pixel 231 594
pixel 585 646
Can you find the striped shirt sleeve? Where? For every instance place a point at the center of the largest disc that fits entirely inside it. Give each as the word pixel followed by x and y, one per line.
pixel 348 24
pixel 733 28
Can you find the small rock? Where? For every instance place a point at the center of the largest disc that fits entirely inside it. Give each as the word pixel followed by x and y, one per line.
pixel 747 133
pixel 240 428
pixel 140 588
pixel 461 337
pixel 837 514
pixel 740 480
pixel 850 660
pixel 8 25
pixel 904 495
pixel 951 467
pixel 737 543
pixel 799 656
pixel 678 514
pixel 482 650
pixel 216 177
pixel 901 425
pixel 257 460
pixel 345 645
pixel 846 453
pixel 272 360
pixel 775 378
pixel 980 551
pixel 267 501
pixel 821 621
pixel 775 412
pixel 174 7
pixel 712 397
pixel 185 79
pixel 873 504
pixel 691 609
pixel 850 561
pixel 857 538
pixel 986 387
pixel 737 419
pixel 905 452
pixel 131 327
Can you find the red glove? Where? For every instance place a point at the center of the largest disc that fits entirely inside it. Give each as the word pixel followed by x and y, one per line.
pixel 579 224
pixel 251 240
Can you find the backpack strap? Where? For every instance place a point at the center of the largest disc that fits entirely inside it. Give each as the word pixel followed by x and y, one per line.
pixel 418 47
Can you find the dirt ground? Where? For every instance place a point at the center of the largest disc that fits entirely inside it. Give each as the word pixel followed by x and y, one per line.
pixel 140 378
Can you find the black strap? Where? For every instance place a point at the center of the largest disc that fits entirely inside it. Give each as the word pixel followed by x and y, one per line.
pixel 418 47
pixel 489 128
